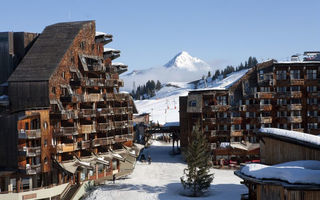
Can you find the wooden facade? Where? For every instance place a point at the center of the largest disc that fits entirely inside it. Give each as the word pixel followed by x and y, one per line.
pixel 71 116
pixel 272 94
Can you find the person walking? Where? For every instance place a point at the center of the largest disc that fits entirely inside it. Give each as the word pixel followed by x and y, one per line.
pixel 114 178
pixel 149 159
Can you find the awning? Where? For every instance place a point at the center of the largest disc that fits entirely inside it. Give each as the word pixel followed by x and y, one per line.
pixel 245 146
pixel 118 157
pixel 102 161
pixel 69 166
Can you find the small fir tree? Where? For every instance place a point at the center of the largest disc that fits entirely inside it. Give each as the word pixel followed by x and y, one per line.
pixel 197 177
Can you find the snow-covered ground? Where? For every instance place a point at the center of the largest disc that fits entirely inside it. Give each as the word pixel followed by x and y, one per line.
pixel 161 180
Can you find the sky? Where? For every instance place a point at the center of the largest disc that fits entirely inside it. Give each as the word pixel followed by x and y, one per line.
pixel 149 33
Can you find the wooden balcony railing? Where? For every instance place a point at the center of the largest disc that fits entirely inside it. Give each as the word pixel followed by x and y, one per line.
pixel 67 147
pixel 66 131
pixel 87 113
pixel 265 120
pixel 92 97
pixel 104 127
pixel 29 134
pixel 294 107
pixel 297 81
pixel 265 107
pixel 87 129
pixel 85 144
pixel 236 133
pixel 295 119
pixel 236 120
pixel 264 95
pixel 30 151
pixel 30 169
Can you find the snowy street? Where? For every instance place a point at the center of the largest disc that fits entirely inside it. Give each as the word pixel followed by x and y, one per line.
pixel 161 180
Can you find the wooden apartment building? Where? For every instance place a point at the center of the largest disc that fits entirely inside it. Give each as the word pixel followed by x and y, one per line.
pixel 272 94
pixel 68 121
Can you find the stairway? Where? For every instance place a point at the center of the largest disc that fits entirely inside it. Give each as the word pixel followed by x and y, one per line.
pixel 70 193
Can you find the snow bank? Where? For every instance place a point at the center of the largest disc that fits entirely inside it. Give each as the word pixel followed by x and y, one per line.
pixel 305 137
pixel 302 172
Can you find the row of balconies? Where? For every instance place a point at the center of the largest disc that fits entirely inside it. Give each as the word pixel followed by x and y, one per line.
pixel 94 97
pixel 290 82
pixel 217 108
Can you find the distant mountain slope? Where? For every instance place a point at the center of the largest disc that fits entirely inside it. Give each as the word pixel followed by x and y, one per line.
pixel 164 107
pixel 181 68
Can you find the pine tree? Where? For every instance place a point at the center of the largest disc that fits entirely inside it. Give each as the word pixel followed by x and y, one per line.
pixel 158 85
pixel 209 74
pixel 198 178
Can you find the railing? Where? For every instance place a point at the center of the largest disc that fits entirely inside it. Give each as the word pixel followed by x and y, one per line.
pixel 266 107
pixel 236 120
pixel 294 107
pixel 297 81
pixel 265 120
pixel 65 131
pixel 120 124
pixel 85 144
pixel 294 119
pixel 98 67
pixel 29 134
pixel 102 141
pixel 30 151
pixel 264 95
pixel 93 97
pixel 236 133
pixel 94 82
pixel 120 110
pixel 87 129
pixel 210 120
pixel 67 147
pixel 295 94
pixel 104 127
pixel 121 96
pixel 87 113
pixel 105 111
pixel 31 169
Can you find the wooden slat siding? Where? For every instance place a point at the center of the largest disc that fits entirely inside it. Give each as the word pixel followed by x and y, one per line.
pixel 28 95
pixel 279 151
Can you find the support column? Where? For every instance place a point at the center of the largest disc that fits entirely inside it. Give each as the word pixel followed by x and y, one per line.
pixel 18 184
pixel 30 183
pixel 97 173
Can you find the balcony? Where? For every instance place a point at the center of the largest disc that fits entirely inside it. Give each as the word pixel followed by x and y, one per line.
pixel 294 94
pixel 102 141
pixel 120 110
pixel 265 107
pixel 93 97
pixel 295 119
pixel 298 130
pixel 105 112
pixel 65 131
pixel 236 120
pixel 236 133
pixel 223 120
pixel 83 113
pixel 114 83
pixel 29 134
pixel 74 98
pixel 294 107
pixel 86 129
pixel 67 147
pixel 31 169
pixel 264 95
pixel 94 82
pixel 85 144
pixel 97 67
pixel 210 120
pixel 104 127
pixel 121 96
pixel 120 124
pixel 123 137
pixel 265 120
pixel 297 81
pixel 65 115
pixel 30 151
pixel 219 108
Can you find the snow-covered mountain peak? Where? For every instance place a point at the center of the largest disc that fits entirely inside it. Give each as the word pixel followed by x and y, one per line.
pixel 184 60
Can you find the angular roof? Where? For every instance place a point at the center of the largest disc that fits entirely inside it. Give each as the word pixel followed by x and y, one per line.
pixel 46 53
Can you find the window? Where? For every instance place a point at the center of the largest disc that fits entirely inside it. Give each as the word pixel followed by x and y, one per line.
pixel 312 113
pixel 295 101
pixel 296 126
pixel 281 75
pixel 295 74
pixel 222 100
pixel 26 126
pixel 261 76
pixel 265 101
pixel 236 127
pixel 281 89
pixel 312 101
pixel 264 89
pixel 296 113
pixel 45 160
pixel 192 103
pixel 295 88
pixel 63 75
pixel 311 74
pixel 53 90
pixel 72 59
pixel 282 101
pixel 82 45
pixel 312 88
pixel 282 114
pixel 45 142
pixel 45 125
pixel 312 125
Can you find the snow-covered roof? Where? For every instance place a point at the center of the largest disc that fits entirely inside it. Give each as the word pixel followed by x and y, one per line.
pixel 295 172
pixel 169 124
pixel 98 33
pixel 294 136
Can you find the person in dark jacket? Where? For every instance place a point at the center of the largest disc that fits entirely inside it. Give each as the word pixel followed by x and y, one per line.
pixel 114 178
pixel 149 159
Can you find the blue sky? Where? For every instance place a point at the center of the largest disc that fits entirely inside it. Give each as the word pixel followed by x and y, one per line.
pixel 149 33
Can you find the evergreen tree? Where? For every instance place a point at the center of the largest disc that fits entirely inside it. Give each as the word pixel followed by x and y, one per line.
pixel 209 74
pixel 198 178
pixel 158 85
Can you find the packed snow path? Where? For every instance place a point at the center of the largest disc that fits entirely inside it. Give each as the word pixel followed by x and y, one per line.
pixel 161 180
